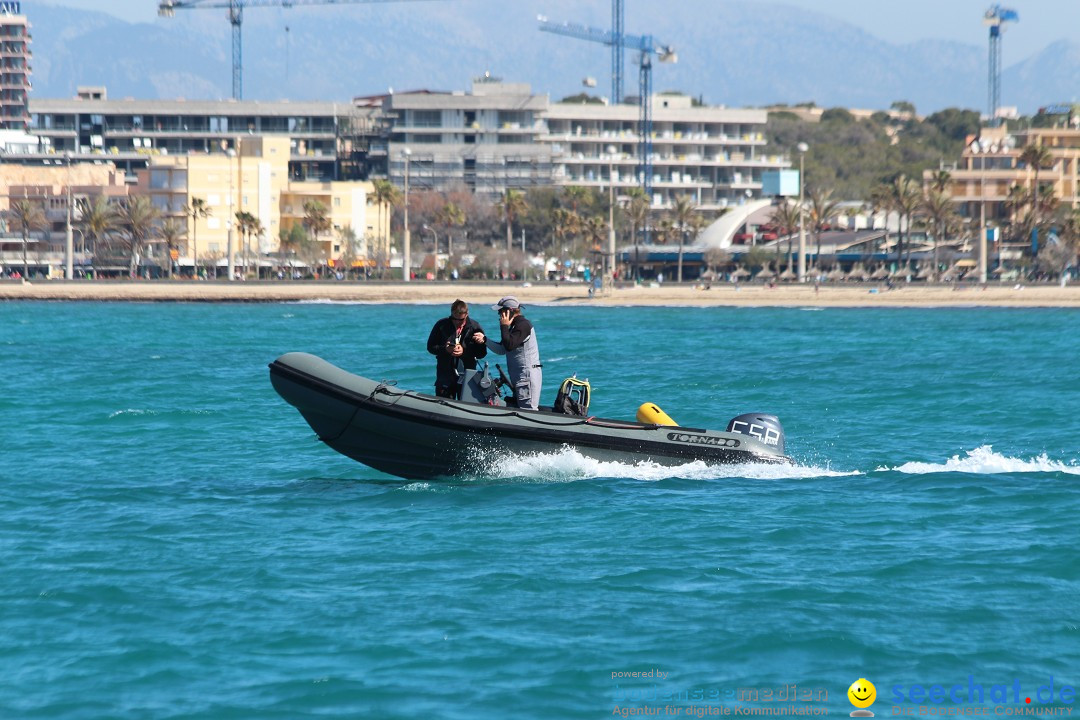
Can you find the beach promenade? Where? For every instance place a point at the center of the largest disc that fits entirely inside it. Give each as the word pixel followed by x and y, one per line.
pixel 862 295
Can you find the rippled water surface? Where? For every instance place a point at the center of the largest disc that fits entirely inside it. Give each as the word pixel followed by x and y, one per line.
pixel 177 544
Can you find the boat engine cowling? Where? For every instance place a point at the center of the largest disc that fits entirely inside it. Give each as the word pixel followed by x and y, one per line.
pixel 765 428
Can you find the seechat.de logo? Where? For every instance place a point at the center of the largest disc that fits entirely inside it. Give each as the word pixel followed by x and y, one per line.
pixel 862 695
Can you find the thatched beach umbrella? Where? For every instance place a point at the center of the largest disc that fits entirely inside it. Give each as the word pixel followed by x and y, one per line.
pixel 836 273
pixel 858 272
pixel 740 272
pixel 880 274
pixel 788 275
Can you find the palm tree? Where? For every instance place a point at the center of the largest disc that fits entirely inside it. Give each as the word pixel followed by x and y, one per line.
pixel 387 196
pixel 785 217
pixel 512 205
pixel 316 220
pixel 638 213
pixel 941 180
pixel 348 240
pixel 575 195
pixel 138 222
pixel 450 216
pixel 292 241
pixel 664 231
pixel 98 220
pixel 823 210
pixel 941 210
pixel 594 231
pixel 244 220
pixel 683 209
pixel 1069 237
pixel 257 229
pixel 906 200
pixel 1035 157
pixel 881 200
pixel 26 216
pixel 170 233
pixel 565 224
pixel 196 209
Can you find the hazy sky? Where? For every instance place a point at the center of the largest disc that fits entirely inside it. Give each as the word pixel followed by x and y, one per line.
pixel 1041 21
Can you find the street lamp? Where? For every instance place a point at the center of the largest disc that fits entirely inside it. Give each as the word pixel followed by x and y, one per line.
pixel 405 273
pixel 802 147
pixel 69 243
pixel 435 255
pixel 609 274
pixel 229 222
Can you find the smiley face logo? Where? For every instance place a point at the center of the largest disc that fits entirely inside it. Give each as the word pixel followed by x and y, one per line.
pixel 862 695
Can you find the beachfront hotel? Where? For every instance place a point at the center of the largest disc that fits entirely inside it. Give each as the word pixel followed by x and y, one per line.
pixel 497 136
pixel 501 136
pixel 990 168
pixel 14 67
pixel 327 141
pixel 252 175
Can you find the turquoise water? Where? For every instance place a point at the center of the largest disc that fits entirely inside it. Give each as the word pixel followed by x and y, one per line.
pixel 176 544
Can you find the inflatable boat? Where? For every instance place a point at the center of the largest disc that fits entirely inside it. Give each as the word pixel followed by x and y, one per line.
pixel 419 436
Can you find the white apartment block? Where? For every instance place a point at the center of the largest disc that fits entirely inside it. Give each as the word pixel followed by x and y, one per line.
pixel 502 136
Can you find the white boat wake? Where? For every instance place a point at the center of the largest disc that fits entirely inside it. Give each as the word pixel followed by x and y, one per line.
pixel 984 461
pixel 567 465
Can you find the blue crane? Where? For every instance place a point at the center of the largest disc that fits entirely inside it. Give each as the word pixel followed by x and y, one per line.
pixel 647 46
pixel 167 8
pixel 617 32
pixel 996 17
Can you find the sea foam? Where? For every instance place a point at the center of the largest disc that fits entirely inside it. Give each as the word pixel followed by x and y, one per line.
pixel 567 464
pixel 984 461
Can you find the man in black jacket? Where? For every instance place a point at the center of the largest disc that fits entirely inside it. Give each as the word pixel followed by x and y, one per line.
pixel 456 342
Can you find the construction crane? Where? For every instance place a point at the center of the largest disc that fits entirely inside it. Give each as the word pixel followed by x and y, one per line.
pixel 996 17
pixel 647 47
pixel 168 8
pixel 617 32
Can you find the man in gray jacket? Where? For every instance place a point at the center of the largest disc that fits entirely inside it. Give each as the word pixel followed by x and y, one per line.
pixel 518 343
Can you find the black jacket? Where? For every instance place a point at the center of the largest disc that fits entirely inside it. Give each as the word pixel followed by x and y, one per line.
pixel 446 364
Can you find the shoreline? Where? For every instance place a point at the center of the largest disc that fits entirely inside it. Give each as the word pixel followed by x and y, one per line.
pixel 426 292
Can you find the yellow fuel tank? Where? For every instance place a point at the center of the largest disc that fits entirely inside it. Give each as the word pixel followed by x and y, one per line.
pixel 649 413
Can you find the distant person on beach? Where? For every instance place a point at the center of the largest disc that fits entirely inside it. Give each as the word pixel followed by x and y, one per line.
pixel 518 343
pixel 456 342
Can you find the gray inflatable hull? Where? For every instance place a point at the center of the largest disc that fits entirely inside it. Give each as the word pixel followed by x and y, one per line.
pixel 419 436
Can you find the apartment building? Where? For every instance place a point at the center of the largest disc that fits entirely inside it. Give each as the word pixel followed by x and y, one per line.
pixel 716 156
pixel 257 180
pixel 14 67
pixel 326 141
pixel 497 136
pixel 487 140
pixel 990 167
pixel 51 187
pixel 501 136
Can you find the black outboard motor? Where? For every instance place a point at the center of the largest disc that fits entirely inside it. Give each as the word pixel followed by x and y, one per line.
pixel 766 428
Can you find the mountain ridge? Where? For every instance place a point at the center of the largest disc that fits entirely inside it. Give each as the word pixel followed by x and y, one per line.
pixel 736 53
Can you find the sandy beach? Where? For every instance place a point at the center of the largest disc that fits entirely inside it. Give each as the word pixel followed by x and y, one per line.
pixel 862 295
